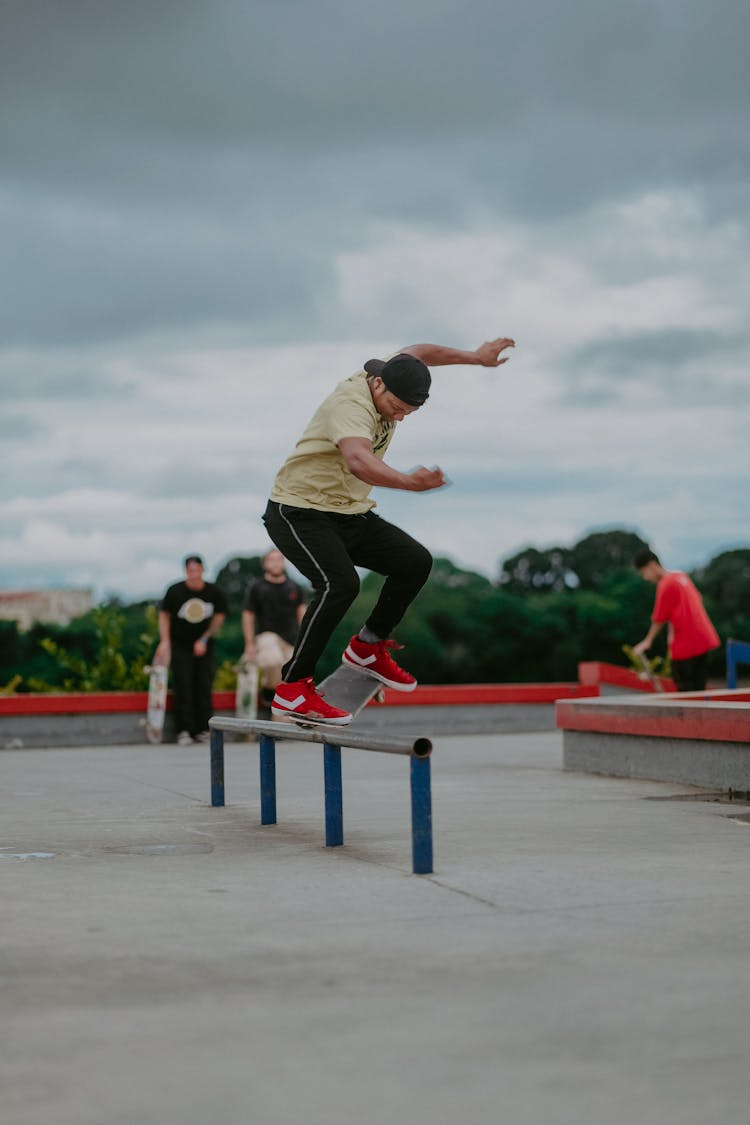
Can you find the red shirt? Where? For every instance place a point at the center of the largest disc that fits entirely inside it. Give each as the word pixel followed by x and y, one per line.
pixel 679 603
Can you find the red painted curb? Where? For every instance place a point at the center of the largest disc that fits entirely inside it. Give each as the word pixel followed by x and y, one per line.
pixel 82 703
pixel 593 672
pixel 471 694
pixel 91 703
pixel 721 716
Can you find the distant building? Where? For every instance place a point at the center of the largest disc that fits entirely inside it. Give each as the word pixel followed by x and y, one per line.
pixel 53 607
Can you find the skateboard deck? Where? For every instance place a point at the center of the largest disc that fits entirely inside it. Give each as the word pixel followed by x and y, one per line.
pixel 246 699
pixel 648 673
pixel 348 688
pixel 157 701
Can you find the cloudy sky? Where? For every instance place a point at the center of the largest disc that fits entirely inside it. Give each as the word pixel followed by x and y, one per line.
pixel 212 212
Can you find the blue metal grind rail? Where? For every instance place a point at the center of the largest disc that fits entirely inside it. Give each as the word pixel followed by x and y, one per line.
pixel 418 750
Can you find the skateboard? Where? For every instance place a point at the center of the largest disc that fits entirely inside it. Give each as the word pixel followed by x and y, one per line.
pixel 648 674
pixel 157 701
pixel 348 688
pixel 246 700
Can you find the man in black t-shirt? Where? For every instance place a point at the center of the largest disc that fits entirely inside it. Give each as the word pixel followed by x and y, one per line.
pixel 190 616
pixel 271 614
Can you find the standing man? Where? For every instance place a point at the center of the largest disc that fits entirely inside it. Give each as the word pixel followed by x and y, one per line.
pixel 271 614
pixel 191 614
pixel 679 605
pixel 320 516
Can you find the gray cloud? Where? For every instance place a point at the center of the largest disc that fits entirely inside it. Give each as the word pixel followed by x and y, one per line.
pixel 686 365
pixel 528 482
pixel 18 427
pixel 179 176
pixel 169 164
pixel 662 348
pixel 47 379
pixel 191 479
pixel 79 279
pixel 331 72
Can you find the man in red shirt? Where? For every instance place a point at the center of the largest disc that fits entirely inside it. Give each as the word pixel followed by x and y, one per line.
pixel 679 605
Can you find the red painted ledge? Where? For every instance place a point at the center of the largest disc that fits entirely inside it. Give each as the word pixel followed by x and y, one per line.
pixel 73 703
pixel 425 695
pixel 714 716
pixel 81 703
pixel 595 672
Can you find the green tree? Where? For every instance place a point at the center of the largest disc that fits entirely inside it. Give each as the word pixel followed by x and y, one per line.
pixel 11 650
pixel 586 565
pixel 100 663
pixel 533 571
pixel 725 585
pixel 233 578
pixel 599 554
pixel 534 624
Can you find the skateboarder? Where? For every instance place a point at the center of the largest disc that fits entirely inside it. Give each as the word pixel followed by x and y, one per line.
pixel 320 517
pixel 691 633
pixel 272 610
pixel 191 614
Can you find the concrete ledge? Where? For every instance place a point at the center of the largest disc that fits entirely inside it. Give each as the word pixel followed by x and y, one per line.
pixel 711 765
pixel 700 738
pixel 114 728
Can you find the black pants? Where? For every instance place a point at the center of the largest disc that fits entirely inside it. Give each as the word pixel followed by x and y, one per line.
pixel 192 677
pixel 691 674
pixel 326 547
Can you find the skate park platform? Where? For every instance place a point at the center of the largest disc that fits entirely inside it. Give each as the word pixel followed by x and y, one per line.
pixel 577 954
pixel 700 738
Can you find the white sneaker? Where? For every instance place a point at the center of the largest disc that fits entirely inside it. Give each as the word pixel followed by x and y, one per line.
pixel 204 736
pixel 184 739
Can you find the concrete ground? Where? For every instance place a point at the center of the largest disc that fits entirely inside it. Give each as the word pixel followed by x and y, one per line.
pixel 579 955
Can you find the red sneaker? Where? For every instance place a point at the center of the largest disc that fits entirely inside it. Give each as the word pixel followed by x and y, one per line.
pixel 300 700
pixel 374 660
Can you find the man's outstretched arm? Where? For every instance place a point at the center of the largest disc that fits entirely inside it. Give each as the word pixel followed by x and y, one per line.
pixel 488 354
pixel 363 464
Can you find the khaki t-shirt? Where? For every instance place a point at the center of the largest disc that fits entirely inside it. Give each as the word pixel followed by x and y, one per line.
pixel 315 475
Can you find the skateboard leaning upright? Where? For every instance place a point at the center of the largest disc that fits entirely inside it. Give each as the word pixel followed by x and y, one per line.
pixel 348 688
pixel 649 675
pixel 246 699
pixel 156 707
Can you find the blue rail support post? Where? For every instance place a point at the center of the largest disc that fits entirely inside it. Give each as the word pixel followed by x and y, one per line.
pixel 217 766
pixel 738 652
pixel 421 816
pixel 334 798
pixel 418 750
pixel 267 761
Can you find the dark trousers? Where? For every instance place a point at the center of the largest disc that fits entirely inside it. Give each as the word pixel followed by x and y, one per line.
pixel 326 547
pixel 192 677
pixel 691 674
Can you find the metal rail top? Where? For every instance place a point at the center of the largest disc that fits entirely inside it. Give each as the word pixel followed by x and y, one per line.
pixel 333 736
